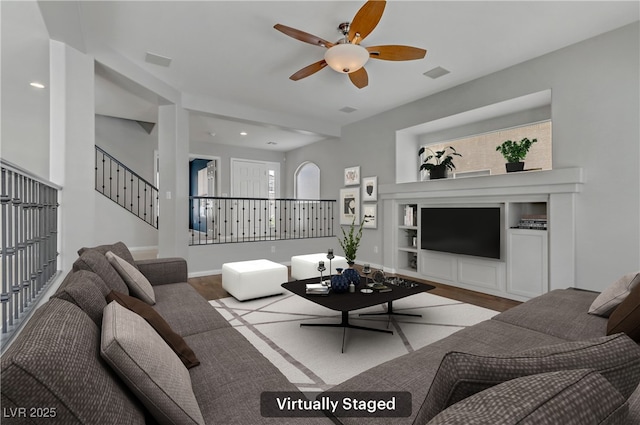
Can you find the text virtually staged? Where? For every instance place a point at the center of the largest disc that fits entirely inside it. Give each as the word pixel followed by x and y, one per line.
pixel 336 403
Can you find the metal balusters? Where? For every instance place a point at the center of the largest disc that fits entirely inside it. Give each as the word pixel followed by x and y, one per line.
pixel 218 220
pixel 122 185
pixel 28 256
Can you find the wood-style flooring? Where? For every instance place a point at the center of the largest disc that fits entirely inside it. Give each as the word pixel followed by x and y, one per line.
pixel 210 287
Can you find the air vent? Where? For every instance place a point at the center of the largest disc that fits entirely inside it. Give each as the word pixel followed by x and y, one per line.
pixel 436 72
pixel 157 59
pixel 348 109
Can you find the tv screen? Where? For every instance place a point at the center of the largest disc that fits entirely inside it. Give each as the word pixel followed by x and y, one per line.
pixel 469 231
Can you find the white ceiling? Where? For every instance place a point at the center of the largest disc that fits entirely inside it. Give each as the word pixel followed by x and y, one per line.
pixel 229 51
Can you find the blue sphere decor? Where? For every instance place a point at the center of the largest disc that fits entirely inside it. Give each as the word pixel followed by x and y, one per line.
pixel 352 276
pixel 339 283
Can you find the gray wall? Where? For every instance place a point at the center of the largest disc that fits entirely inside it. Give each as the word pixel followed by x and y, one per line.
pixel 595 112
pixel 24 137
pixel 129 143
pixel 226 152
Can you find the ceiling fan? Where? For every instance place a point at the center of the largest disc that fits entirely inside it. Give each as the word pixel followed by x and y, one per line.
pixel 347 56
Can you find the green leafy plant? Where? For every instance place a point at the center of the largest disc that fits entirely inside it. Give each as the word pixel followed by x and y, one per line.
pixel 351 240
pixel 439 157
pixel 515 151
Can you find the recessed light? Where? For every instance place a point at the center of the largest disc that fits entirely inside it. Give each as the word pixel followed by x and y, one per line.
pixel 243 133
pixel 212 134
pixel 36 85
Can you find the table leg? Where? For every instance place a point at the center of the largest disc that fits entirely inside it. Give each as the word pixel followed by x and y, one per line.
pixel 345 324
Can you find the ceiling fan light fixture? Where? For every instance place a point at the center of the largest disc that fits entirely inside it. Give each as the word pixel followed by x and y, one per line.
pixel 346 58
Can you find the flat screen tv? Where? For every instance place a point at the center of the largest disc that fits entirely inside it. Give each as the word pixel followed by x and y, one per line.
pixel 469 231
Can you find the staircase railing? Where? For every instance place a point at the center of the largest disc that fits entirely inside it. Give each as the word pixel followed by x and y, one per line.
pixel 126 188
pixel 216 220
pixel 29 238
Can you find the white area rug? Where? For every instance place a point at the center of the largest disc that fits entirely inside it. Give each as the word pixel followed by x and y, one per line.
pixel 311 358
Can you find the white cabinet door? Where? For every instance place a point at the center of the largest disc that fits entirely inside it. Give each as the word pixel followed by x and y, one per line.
pixel 527 262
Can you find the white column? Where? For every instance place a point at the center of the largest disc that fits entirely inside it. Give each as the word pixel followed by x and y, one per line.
pixel 173 151
pixel 562 241
pixel 72 133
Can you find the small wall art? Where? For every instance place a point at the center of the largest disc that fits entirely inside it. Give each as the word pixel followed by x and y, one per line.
pixel 370 216
pixel 369 189
pixel 352 176
pixel 349 206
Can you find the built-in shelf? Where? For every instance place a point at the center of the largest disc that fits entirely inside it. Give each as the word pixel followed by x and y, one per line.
pixel 525 268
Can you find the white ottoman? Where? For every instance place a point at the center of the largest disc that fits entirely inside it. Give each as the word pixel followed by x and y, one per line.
pixel 253 279
pixel 306 266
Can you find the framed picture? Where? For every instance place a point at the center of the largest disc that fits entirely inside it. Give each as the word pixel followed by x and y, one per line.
pixel 352 176
pixel 370 215
pixel 369 189
pixel 349 205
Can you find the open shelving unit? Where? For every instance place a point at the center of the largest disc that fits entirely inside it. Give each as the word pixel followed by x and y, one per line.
pixel 521 272
pixel 407 239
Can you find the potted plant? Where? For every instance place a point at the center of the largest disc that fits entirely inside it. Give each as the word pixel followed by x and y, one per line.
pixel 351 240
pixel 440 162
pixel 515 152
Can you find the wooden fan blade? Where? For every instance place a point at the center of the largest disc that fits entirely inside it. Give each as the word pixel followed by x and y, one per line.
pixel 366 20
pixel 309 70
pixel 396 52
pixel 359 78
pixel 303 36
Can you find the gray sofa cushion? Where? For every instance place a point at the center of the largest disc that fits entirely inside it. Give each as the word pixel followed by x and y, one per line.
pixel 148 366
pixel 96 262
pixel 414 372
pixel 561 313
pixel 461 375
pixel 138 285
pixel 54 363
pixel 118 248
pixel 231 377
pixel 86 290
pixel 574 397
pixel 172 300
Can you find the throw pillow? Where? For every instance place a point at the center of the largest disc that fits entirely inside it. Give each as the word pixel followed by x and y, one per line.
pixel 144 310
pixel 611 297
pixel 570 397
pixel 461 375
pixel 118 248
pixel 148 367
pixel 95 262
pixel 626 317
pixel 137 283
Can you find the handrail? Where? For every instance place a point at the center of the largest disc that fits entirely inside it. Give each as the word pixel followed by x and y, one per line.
pixel 8 165
pixel 125 187
pixel 216 220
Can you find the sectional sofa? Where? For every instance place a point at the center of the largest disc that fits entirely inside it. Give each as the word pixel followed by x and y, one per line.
pixel 80 359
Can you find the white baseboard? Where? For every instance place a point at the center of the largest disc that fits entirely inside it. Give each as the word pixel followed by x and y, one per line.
pixel 219 271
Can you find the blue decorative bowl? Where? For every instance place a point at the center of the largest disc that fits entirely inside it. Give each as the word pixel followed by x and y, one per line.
pixel 339 284
pixel 352 276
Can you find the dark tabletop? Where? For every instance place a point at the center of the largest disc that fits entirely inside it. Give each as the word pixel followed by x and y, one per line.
pixel 354 301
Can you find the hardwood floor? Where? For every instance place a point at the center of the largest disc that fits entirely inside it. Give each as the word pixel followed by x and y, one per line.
pixel 210 287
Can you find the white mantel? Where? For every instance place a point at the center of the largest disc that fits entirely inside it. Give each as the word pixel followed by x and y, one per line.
pixel 564 180
pixel 558 188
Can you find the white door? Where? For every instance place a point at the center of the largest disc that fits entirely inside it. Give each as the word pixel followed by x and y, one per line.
pixel 250 179
pixel 253 180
